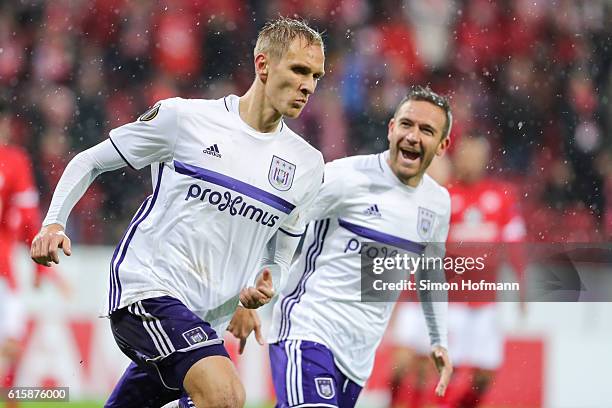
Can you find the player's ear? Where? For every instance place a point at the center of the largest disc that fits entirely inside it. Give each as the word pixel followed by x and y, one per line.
pixel 390 127
pixel 261 67
pixel 443 146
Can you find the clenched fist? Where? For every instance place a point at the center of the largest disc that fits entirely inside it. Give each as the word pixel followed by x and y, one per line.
pixel 262 293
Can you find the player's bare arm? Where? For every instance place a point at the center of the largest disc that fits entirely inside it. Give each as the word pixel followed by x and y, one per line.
pixel 445 368
pixel 47 243
pixel 242 324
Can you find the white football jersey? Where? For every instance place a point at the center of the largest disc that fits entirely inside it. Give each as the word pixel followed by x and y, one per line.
pixel 221 190
pixel 361 201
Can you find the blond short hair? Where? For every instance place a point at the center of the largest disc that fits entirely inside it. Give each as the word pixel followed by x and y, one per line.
pixel 275 37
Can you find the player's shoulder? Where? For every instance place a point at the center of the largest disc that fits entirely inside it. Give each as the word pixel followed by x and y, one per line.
pixel 354 170
pixel 360 163
pixel 436 191
pixel 192 106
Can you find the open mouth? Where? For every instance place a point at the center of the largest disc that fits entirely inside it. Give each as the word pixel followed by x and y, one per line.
pixel 410 154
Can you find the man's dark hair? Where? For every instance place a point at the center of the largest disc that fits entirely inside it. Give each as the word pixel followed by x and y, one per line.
pixel 420 93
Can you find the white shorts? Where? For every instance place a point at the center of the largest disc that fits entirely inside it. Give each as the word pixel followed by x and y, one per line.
pixel 410 329
pixel 474 336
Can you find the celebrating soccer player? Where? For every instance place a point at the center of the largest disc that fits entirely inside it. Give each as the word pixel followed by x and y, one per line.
pixel 231 183
pixel 324 338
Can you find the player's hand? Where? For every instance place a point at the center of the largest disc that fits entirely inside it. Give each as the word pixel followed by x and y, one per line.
pixel 46 244
pixel 262 293
pixel 444 367
pixel 242 324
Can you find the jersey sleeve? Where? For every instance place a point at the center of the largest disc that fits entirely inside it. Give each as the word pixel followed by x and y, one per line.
pixel 441 232
pixel 435 303
pixel 151 138
pixel 78 176
pixel 437 246
pixel 277 258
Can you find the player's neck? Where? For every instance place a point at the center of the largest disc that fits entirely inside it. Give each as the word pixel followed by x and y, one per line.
pixel 413 181
pixel 256 112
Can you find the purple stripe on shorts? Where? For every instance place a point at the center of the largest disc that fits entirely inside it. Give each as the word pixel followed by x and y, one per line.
pixel 235 185
pixel 155 329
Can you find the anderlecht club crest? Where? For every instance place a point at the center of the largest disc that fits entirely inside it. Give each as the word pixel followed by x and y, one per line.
pixel 325 387
pixel 425 223
pixel 195 336
pixel 281 174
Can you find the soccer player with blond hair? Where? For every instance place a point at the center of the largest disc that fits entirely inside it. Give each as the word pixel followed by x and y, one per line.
pixel 231 183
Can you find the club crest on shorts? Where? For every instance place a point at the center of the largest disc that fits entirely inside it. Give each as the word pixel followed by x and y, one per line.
pixel 281 174
pixel 425 223
pixel 150 114
pixel 195 336
pixel 325 387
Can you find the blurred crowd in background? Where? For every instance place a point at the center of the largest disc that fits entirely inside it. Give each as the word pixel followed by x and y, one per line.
pixel 533 76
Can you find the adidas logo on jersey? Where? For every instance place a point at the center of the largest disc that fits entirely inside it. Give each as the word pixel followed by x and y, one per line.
pixel 373 210
pixel 213 151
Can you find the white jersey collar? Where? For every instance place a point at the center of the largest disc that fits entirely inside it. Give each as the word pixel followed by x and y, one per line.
pixel 231 103
pixel 390 175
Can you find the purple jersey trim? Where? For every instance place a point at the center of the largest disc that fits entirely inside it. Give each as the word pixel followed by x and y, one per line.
pixel 291 234
pixel 111 275
pixel 382 237
pixel 235 185
pixel 315 249
pixel 121 154
pixel 115 290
